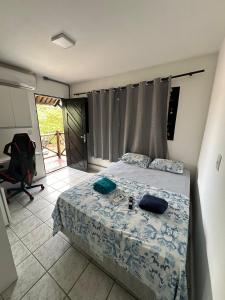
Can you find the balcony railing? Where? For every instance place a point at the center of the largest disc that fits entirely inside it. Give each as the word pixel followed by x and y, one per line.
pixel 53 144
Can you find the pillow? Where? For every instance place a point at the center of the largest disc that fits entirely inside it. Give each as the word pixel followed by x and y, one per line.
pixel 172 166
pixel 153 204
pixel 140 160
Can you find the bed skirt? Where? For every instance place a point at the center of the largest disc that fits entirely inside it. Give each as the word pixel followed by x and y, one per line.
pixel 125 279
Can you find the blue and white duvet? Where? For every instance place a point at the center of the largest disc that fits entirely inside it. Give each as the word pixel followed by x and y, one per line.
pixel 149 246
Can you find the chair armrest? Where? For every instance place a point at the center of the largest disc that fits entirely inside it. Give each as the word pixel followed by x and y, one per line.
pixel 6 149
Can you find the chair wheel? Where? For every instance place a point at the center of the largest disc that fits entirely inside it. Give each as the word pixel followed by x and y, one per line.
pixel 31 198
pixel 42 187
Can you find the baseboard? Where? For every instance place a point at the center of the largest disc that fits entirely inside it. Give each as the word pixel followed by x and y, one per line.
pixel 95 167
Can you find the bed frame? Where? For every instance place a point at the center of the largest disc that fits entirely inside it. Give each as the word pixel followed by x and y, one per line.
pixel 120 275
pixel 130 282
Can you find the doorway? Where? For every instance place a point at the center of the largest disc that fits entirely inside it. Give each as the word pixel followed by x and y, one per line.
pixel 51 127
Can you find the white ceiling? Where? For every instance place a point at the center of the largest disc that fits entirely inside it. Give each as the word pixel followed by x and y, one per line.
pixel 113 36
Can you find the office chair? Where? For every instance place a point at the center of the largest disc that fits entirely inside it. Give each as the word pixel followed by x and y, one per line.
pixel 22 166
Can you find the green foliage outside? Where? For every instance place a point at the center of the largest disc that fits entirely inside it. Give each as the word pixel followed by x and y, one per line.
pixel 50 118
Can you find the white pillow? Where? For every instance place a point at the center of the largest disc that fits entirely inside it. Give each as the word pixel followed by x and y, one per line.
pixel 140 160
pixel 167 165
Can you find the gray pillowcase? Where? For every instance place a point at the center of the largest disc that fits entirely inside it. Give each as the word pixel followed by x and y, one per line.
pixel 167 165
pixel 140 160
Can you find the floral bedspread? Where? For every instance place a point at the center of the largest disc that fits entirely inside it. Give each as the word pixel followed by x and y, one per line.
pixel 149 246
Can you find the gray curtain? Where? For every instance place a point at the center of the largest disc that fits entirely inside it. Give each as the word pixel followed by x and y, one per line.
pixel 104 124
pixel 131 119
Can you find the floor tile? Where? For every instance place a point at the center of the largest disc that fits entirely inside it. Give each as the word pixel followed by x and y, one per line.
pixel 78 180
pixel 92 285
pixel 61 174
pixel 45 213
pixel 65 187
pixel 51 251
pixel 53 202
pixel 26 226
pixel 53 196
pixel 20 196
pixel 68 268
pixel 58 185
pixel 49 222
pixel 19 215
pixel 71 180
pixel 118 293
pixel 35 205
pixel 47 191
pixel 62 235
pixel 14 205
pixel 11 236
pixel 19 252
pixel 37 237
pixel 68 171
pixel 41 181
pixel 29 272
pixel 24 200
pixel 51 179
pixel 45 289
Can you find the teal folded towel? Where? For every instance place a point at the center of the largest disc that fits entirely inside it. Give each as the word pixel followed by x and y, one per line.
pixel 104 185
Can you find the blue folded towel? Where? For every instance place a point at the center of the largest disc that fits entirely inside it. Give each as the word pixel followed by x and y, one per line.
pixel 153 204
pixel 104 185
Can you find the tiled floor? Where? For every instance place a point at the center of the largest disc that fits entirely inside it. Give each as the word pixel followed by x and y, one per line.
pixel 49 267
pixel 54 163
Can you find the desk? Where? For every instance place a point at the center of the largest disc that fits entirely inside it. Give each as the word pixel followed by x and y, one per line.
pixel 4 207
pixel 4 161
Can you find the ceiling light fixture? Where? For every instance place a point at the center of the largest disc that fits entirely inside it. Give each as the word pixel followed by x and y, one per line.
pixel 63 41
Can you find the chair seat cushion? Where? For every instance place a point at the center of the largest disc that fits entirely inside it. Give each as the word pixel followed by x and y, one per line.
pixel 6 177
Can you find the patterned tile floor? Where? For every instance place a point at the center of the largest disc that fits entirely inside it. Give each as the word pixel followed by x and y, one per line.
pixel 49 267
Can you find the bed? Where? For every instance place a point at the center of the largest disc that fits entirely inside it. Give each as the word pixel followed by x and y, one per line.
pixel 145 252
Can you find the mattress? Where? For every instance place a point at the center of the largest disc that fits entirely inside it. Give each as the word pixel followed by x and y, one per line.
pixel 150 247
pixel 178 183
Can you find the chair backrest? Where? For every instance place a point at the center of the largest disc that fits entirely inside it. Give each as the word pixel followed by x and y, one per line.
pixel 22 164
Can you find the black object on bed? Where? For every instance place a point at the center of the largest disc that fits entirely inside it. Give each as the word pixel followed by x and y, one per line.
pixel 153 204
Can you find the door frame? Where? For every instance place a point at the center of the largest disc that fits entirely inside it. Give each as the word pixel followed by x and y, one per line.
pixel 39 133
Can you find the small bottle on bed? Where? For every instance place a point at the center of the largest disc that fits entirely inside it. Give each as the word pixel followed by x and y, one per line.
pixel 130 202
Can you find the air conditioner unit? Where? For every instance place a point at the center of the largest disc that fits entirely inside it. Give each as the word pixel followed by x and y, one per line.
pixel 11 76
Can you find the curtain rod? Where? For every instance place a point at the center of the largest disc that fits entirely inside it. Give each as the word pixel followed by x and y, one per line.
pixel 165 78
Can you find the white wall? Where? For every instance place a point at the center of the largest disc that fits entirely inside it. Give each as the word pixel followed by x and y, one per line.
pixel 210 200
pixel 193 103
pixel 43 87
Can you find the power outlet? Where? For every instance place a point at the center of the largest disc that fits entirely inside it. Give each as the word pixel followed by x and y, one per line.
pixel 218 162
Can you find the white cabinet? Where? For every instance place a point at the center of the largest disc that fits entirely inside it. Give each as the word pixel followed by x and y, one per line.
pixel 7 267
pixel 6 111
pixel 14 108
pixel 21 107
